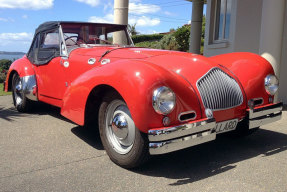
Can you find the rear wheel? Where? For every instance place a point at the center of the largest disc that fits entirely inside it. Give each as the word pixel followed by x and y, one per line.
pixel 20 101
pixel 123 142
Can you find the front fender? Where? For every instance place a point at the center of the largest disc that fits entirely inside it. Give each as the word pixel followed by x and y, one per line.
pixel 135 81
pixel 250 69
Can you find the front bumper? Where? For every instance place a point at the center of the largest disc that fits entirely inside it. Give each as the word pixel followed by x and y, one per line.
pixel 170 139
pixel 264 115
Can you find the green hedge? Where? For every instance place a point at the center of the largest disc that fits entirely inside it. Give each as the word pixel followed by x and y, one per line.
pixel 151 37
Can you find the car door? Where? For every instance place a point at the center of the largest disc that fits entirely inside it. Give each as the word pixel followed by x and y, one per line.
pixel 49 68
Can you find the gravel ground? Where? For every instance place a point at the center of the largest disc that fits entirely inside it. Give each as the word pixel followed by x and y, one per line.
pixel 43 151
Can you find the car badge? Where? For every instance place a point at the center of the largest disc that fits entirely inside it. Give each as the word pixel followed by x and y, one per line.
pixel 91 61
pixel 209 113
pixel 105 61
pixel 66 64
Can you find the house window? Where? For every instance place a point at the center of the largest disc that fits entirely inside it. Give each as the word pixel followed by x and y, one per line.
pixel 222 19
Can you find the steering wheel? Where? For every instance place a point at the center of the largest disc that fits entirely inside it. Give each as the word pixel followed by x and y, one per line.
pixel 74 36
pixel 105 41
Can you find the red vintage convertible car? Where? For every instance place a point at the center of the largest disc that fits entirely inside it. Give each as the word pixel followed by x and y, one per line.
pixel 142 101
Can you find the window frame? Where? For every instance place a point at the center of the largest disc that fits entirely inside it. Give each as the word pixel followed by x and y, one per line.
pixel 214 25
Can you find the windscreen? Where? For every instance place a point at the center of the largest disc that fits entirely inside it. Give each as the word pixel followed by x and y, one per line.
pixel 80 35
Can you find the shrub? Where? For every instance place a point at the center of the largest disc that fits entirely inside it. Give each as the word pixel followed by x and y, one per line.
pixel 182 36
pixel 148 44
pixel 168 42
pixel 5 64
pixel 2 77
pixel 151 37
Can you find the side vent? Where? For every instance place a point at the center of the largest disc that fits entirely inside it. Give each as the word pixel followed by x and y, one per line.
pixel 186 116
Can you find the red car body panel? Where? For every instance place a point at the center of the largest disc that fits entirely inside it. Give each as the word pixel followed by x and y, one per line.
pixel 250 69
pixel 135 73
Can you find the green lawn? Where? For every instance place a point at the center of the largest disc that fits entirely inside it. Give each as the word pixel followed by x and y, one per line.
pixel 3 92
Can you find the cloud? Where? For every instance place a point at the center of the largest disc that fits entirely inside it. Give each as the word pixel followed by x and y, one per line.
pixel 108 6
pixel 140 9
pixel 109 18
pixel 92 3
pixel 140 21
pixel 24 16
pixel 168 13
pixel 15 41
pixel 16 36
pixel 3 19
pixel 6 19
pixel 26 4
pixel 144 21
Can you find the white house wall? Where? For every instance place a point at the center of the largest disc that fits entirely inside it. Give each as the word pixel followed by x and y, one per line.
pixel 245 27
pixel 258 26
pixel 248 25
pixel 283 66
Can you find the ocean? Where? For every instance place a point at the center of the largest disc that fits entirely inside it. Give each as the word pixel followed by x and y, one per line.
pixel 11 57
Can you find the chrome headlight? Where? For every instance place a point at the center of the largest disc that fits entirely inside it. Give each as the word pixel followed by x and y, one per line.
pixel 163 100
pixel 271 84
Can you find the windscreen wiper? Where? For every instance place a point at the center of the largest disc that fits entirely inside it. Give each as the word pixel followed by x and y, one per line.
pixel 108 51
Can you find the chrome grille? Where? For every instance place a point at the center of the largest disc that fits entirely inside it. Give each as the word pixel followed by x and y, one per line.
pixel 219 91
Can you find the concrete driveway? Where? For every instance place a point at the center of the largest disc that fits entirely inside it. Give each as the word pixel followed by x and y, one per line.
pixel 44 152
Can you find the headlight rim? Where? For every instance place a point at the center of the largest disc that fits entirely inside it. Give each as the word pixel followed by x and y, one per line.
pixel 155 95
pixel 267 84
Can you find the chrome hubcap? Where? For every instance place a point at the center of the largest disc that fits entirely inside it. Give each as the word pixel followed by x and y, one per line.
pixel 120 127
pixel 18 93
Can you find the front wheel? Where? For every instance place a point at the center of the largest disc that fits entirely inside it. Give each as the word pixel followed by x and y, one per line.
pixel 21 103
pixel 123 142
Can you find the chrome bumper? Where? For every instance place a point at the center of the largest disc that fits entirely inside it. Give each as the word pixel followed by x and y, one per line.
pixel 180 137
pixel 175 138
pixel 264 115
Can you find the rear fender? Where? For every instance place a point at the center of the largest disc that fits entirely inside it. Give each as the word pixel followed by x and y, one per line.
pixel 25 70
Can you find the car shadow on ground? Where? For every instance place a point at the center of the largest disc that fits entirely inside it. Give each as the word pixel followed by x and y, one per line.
pixel 209 159
pixel 206 160
pixel 89 135
pixel 10 114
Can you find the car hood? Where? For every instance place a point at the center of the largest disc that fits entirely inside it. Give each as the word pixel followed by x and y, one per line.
pixel 189 66
pixel 120 52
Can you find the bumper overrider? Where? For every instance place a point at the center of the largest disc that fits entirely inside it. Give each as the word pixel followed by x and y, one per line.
pixel 194 133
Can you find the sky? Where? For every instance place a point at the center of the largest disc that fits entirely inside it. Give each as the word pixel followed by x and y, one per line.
pixel 20 18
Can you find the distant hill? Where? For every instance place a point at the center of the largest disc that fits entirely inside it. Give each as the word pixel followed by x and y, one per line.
pixel 11 53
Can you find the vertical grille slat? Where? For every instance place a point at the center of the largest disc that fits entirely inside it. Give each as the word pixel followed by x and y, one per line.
pixel 219 91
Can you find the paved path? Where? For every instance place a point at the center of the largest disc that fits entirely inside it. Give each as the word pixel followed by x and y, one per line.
pixel 45 152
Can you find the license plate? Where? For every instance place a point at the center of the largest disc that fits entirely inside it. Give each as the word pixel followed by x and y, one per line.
pixel 225 126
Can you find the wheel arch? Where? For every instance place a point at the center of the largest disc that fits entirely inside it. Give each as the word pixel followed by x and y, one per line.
pixel 10 79
pixel 94 100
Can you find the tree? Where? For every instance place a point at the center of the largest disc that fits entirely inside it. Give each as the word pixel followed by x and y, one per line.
pixel 203 27
pixel 132 29
pixel 182 35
